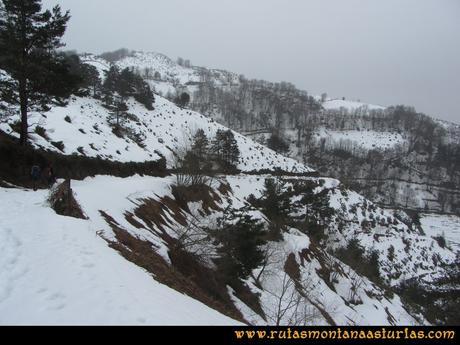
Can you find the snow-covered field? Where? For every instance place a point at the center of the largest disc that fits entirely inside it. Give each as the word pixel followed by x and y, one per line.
pixel 442 225
pixel 56 270
pixel 365 139
pixel 350 106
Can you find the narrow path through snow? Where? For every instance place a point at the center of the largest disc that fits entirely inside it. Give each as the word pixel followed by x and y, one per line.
pixel 55 270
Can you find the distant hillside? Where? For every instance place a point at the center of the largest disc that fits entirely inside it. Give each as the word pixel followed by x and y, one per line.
pixel 394 155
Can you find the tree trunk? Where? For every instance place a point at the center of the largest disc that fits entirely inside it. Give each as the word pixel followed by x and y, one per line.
pixel 23 105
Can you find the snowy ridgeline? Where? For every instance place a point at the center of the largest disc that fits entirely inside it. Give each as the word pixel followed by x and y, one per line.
pixel 57 268
pixel 85 127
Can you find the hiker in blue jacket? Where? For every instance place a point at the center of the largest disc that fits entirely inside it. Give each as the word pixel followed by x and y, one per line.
pixel 35 174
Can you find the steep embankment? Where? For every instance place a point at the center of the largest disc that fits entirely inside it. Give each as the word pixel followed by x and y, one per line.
pixel 57 267
pixel 56 270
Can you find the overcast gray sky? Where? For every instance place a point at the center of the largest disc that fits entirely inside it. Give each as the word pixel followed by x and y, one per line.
pixel 383 52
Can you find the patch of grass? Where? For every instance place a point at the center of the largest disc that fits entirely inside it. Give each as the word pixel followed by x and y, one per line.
pixel 42 132
pixel 196 193
pixel 185 274
pixel 16 126
pixel 59 145
pixel 63 202
pixel 441 241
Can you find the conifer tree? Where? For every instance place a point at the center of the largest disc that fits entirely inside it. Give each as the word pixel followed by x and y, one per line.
pixel 276 143
pixel 183 100
pixel 28 42
pixel 275 202
pixel 200 147
pixel 225 150
pixel 240 238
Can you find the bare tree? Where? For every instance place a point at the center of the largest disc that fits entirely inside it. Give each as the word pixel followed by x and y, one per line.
pixel 356 283
pixel 194 237
pixel 293 302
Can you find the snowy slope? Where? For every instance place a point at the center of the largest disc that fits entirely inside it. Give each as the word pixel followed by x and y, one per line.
pixel 365 139
pixel 369 306
pixel 175 77
pixel 84 128
pixel 55 270
pixel 76 251
pixel 171 72
pixel 167 68
pixel 444 225
pixel 415 256
pixel 337 104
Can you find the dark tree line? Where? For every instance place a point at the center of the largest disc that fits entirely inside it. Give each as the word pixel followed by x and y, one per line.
pixel 116 55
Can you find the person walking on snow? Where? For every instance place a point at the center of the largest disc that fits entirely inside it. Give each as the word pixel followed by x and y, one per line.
pixel 49 175
pixel 35 174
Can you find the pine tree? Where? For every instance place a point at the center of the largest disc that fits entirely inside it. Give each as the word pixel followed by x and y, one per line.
pixel 275 203
pixel 28 42
pixel 217 145
pixel 240 250
pixel 200 147
pixel 225 150
pixel 277 144
pixel 86 76
pixel 183 100
pixel 231 150
pixel 126 84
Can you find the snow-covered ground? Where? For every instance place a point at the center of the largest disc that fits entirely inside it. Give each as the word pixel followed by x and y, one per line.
pixel 354 210
pixel 442 225
pixel 84 128
pixel 349 105
pixel 170 72
pixel 60 270
pixel 55 270
pixel 365 139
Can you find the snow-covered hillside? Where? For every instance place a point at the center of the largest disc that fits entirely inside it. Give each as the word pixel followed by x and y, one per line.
pixel 447 226
pixel 364 139
pixel 148 252
pixel 56 270
pixel 350 106
pixel 170 73
pixel 84 128
pixel 374 228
